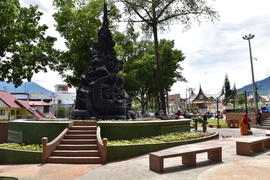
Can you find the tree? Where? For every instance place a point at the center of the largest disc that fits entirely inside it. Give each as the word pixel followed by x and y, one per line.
pixel 229 94
pixel 140 69
pixel 78 22
pixel 157 14
pixel 24 48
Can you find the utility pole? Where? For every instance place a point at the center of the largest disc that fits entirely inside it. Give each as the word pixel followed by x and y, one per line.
pixel 248 38
pixel 217 114
pixel 246 103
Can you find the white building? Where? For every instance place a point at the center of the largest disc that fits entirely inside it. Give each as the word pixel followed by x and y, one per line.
pixel 62 98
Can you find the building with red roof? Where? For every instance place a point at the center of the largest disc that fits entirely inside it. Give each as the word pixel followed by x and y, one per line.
pixel 12 108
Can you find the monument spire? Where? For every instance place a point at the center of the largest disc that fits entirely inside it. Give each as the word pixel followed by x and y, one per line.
pixel 105 16
pixel 101 94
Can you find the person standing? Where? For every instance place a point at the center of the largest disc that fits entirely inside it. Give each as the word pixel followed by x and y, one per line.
pixel 244 125
pixel 177 114
pixel 258 117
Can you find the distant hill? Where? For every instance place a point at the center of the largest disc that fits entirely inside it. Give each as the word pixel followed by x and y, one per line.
pixel 27 87
pixel 263 87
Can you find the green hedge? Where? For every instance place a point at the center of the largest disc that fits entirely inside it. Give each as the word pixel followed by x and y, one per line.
pixel 114 130
pixel 33 131
pixel 11 156
pixel 128 151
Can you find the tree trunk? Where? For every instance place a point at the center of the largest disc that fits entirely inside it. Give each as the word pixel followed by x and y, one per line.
pixel 167 101
pixel 143 108
pixel 157 104
pixel 159 73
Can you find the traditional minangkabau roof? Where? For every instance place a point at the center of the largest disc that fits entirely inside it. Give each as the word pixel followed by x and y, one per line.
pixel 192 95
pixel 201 97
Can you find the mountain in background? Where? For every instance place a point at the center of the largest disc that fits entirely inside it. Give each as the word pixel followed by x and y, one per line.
pixel 27 87
pixel 263 87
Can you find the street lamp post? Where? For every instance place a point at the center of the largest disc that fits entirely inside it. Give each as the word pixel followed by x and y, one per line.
pixel 249 37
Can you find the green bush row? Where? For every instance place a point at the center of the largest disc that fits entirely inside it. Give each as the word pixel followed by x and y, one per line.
pixel 32 147
pixel 171 137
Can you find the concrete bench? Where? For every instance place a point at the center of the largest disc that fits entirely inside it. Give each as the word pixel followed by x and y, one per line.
pixel 254 144
pixel 156 159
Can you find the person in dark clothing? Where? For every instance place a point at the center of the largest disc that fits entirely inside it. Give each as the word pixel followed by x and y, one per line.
pixel 177 114
pixel 205 122
pixel 258 117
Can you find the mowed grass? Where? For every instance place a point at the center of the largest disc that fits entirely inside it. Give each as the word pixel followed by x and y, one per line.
pixel 32 147
pixel 171 137
pixel 222 123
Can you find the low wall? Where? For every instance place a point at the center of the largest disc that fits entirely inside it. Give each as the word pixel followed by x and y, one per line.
pixel 31 132
pixel 237 116
pixel 3 132
pixel 128 151
pixel 114 130
pixel 11 156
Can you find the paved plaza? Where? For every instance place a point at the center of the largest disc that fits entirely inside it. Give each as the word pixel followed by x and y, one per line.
pixel 233 166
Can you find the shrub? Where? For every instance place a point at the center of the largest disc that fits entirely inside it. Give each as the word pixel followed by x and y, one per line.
pixel 32 147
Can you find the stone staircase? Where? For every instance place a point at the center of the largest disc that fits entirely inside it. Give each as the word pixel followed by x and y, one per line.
pixel 265 124
pixel 79 145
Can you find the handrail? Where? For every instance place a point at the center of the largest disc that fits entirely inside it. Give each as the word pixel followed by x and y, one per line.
pixel 48 148
pixel 102 146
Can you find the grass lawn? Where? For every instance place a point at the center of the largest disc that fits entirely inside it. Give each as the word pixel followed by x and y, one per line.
pixel 32 147
pixel 171 137
pixel 222 123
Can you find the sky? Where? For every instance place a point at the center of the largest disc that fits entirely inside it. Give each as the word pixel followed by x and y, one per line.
pixel 212 50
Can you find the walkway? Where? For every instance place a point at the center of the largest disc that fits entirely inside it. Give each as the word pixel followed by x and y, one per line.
pixel 232 167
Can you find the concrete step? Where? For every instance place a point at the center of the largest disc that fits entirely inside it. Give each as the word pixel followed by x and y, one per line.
pixel 74 160
pixel 81 132
pixel 78 141
pixel 80 136
pixel 262 127
pixel 77 146
pixel 84 123
pixel 75 153
pixel 83 127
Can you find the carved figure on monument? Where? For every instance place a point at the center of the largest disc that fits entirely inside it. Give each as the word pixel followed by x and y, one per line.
pixel 101 94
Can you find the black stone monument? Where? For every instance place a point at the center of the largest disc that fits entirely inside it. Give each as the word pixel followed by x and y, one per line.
pixel 101 94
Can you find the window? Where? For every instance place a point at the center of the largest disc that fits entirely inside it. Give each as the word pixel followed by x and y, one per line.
pixel 46 109
pixel 12 112
pixel 2 112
